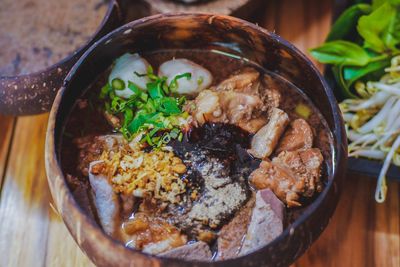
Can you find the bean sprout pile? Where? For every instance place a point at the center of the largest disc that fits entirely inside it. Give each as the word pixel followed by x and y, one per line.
pixel 373 122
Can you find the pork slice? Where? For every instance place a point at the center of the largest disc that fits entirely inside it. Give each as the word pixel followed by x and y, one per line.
pixel 271 94
pixel 199 251
pixel 298 136
pixel 280 180
pixel 105 199
pixel 247 81
pixel 206 107
pixel 231 235
pixel 254 124
pixel 290 175
pixel 266 139
pixel 239 107
pixel 266 222
pixel 305 164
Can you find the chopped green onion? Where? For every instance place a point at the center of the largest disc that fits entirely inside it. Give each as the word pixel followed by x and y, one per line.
pixel 173 86
pixel 134 88
pixel 200 80
pixel 105 91
pixel 118 84
pixel 151 110
pixel 155 90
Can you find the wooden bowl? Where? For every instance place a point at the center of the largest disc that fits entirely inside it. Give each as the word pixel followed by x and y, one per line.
pixel 237 8
pixel 34 93
pixel 197 31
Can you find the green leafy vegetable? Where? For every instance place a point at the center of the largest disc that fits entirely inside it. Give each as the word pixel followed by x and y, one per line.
pixel 347 22
pixel 174 83
pixel 341 52
pixel 156 111
pixel 375 28
pixel 118 84
pixel 361 43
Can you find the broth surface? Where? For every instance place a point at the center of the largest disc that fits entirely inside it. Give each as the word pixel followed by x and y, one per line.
pixel 209 138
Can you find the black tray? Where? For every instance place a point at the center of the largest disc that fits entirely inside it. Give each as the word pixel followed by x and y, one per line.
pixel 362 166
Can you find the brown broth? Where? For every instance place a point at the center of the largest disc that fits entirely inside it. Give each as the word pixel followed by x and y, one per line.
pixel 89 121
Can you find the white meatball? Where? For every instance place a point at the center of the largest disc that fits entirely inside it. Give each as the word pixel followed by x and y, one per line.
pixel 201 77
pixel 125 68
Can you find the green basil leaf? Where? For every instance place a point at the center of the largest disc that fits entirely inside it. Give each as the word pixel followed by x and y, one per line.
pixel 374 28
pixel 377 3
pixel 347 21
pixel 394 2
pixel 337 71
pixel 391 36
pixel 341 53
pixel 346 76
pixel 352 74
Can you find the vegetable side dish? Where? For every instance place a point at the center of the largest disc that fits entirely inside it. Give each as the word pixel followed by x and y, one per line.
pixel 194 154
pixel 363 48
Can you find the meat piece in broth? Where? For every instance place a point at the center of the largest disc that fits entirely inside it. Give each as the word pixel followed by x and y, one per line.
pixel 200 78
pixel 271 94
pixel 231 236
pixel 242 100
pixel 199 251
pixel 266 221
pixel 206 107
pixel 228 107
pixel 241 108
pixel 106 201
pixel 247 81
pixel 290 175
pixel 266 139
pixel 306 166
pixel 152 234
pixel 299 135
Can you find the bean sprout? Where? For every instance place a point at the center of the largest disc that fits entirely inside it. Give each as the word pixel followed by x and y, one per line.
pixel 373 124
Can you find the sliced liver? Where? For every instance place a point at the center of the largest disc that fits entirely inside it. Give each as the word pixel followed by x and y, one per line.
pixel 231 235
pixel 106 201
pixel 266 222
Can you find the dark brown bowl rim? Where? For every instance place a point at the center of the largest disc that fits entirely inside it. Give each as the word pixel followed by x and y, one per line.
pixel 338 131
pixel 73 53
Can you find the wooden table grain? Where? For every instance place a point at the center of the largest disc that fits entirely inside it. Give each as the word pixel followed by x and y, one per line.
pixel 361 233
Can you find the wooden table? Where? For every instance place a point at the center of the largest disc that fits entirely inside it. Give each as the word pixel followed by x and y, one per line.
pixel 361 233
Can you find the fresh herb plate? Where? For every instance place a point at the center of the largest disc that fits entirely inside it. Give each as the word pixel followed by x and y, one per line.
pixel 362 166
